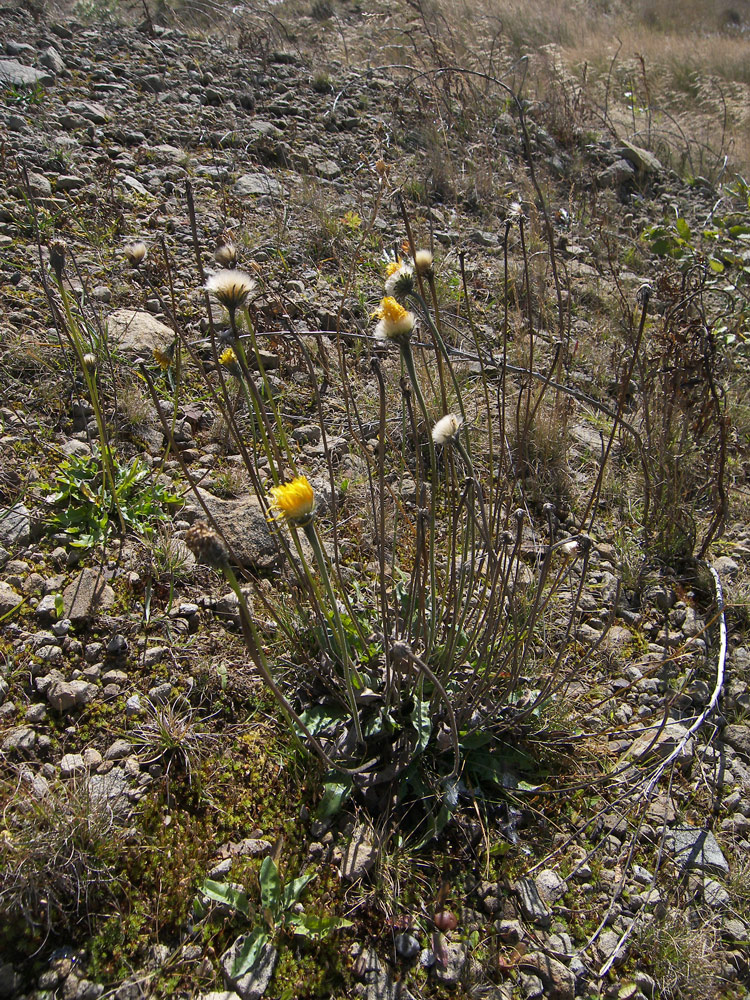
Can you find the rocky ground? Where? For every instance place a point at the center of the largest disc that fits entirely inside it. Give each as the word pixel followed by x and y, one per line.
pixel 140 753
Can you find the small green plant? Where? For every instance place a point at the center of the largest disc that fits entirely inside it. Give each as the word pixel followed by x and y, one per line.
pixel 280 913
pixel 83 504
pixel 173 735
pixel 24 96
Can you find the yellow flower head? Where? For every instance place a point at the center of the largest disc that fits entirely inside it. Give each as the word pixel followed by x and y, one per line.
pixel 392 266
pixel 294 502
pixel 163 358
pixel 396 323
pixel 228 359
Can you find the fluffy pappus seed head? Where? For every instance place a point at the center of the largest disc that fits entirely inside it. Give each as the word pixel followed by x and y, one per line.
pixel 231 288
pixel 570 547
pixel 293 502
pixel 396 323
pixel 135 253
pixel 89 363
pixel 423 263
pixel 447 428
pixel 206 545
pixel 226 255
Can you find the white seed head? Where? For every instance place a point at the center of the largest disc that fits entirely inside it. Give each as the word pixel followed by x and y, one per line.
pixel 446 429
pixel 226 255
pixel 230 287
pixel 135 253
pixel 423 263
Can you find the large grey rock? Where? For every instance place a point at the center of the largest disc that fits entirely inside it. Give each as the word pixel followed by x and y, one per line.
pixel 696 849
pixel 137 331
pixel 109 791
pixel 89 110
pixel 15 74
pixel 531 904
pixel 451 959
pixel 9 599
pixel 738 738
pixel 257 184
pixel 19 741
pixel 243 524
pixel 550 884
pixel 642 159
pixel 559 981
pixel 51 60
pixel 15 526
pixel 655 745
pixel 253 984
pixel 87 594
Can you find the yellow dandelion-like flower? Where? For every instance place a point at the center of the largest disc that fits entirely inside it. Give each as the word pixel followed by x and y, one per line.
pixel 229 360
pixel 163 358
pixel 231 287
pixel 294 502
pixel 396 323
pixel 392 266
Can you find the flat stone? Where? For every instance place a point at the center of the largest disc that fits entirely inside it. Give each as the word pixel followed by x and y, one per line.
pixel 550 884
pixel 138 332
pixel 253 984
pixel 257 184
pixel 531 904
pixel 15 74
pixel 89 110
pixel 111 790
pixel 642 159
pixel 51 60
pixel 71 764
pixel 9 599
pixel 15 526
pixel 559 981
pixel 86 595
pixel 738 738
pixel 655 745
pixel 696 849
pixel 360 854
pixel 243 524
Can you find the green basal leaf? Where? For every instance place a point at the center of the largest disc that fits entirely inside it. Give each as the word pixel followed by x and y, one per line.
pixel 294 889
pixel 316 928
pixel 270 887
pixel 230 895
pixel 335 794
pixel 423 724
pixel 249 953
